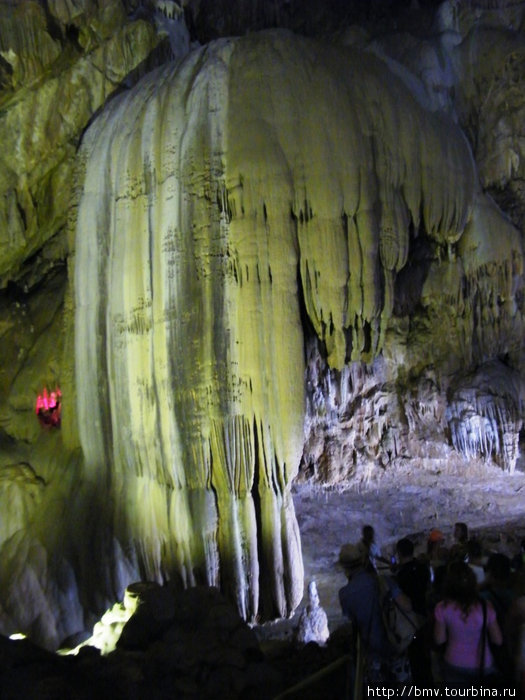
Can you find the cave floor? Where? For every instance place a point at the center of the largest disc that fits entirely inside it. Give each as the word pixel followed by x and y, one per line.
pixel 404 501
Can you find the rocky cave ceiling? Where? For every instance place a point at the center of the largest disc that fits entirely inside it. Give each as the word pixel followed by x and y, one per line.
pixel 251 243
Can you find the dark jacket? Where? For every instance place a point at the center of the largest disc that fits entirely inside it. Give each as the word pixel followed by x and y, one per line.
pixel 413 579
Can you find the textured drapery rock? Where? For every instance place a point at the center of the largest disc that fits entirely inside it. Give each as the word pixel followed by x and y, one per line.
pixel 59 82
pixel 320 184
pixel 213 198
pixel 468 309
pixel 484 415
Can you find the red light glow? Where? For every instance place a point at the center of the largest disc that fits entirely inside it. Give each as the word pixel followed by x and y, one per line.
pixel 48 408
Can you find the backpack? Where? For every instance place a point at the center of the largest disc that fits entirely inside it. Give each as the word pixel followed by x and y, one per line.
pixel 400 625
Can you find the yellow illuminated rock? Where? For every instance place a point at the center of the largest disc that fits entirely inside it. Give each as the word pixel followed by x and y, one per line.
pixel 61 91
pixel 280 265
pixel 213 197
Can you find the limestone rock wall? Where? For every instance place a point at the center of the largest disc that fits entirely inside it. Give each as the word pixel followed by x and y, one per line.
pixel 221 218
pixel 282 263
pixel 59 75
pixel 485 414
pixel 454 309
pixel 59 63
pixel 196 223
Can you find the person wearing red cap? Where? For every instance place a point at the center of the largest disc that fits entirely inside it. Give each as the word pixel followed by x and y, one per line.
pixel 435 550
pixel 436 536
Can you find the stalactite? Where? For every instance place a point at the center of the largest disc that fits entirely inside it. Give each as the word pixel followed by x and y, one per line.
pixel 484 415
pixel 213 194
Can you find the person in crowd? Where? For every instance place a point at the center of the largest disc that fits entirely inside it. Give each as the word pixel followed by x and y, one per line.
pixel 497 586
pixel 461 534
pixel 518 560
pixel 360 601
pixel 515 636
pixel 413 577
pixel 498 589
pixel 369 547
pixel 464 623
pixel 519 663
pixel 476 560
pixel 458 550
pixel 436 550
pixel 437 557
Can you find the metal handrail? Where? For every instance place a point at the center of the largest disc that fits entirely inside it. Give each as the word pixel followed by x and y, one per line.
pixel 314 677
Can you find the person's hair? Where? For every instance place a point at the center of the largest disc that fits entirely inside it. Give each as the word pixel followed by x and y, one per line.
pixel 368 532
pixel 499 567
pixel 463 531
pixel 460 586
pixel 405 547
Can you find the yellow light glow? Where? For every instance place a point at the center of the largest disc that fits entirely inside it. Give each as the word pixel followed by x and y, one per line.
pixel 107 631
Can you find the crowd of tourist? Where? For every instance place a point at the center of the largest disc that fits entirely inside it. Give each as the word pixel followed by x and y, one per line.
pixel 463 606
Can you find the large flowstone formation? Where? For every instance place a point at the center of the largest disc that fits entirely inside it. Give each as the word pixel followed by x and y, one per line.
pixel 217 211
pixel 278 265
